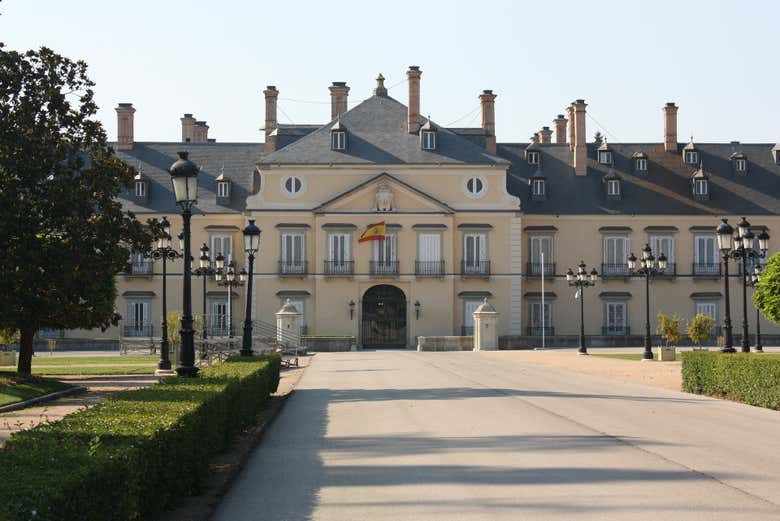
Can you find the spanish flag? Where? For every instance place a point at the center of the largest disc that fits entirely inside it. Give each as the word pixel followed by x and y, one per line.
pixel 374 232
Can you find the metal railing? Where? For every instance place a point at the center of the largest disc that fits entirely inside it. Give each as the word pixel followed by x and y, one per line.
pixel 535 269
pixel 615 331
pixel 429 268
pixel 383 267
pixel 139 330
pixel 290 267
pixel 339 267
pixel 706 268
pixel 141 267
pixel 537 330
pixel 614 269
pixel 472 268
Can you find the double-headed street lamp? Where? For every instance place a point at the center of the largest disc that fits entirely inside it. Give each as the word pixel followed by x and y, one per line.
pixel 755 278
pixel 229 278
pixel 739 246
pixel 165 252
pixel 581 281
pixel 204 270
pixel 184 177
pixel 648 270
pixel 251 247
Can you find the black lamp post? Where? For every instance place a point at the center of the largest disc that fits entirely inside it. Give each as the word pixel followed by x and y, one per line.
pixel 726 244
pixel 165 252
pixel 230 279
pixel 647 270
pixel 204 270
pixel 755 278
pixel 581 281
pixel 251 247
pixel 184 177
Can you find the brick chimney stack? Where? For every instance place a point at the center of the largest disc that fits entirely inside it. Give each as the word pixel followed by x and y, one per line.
pixel 200 132
pixel 488 100
pixel 560 129
pixel 338 98
pixel 413 114
pixel 187 128
pixel 124 130
pixel 271 94
pixel 670 127
pixel 570 112
pixel 546 135
pixel 580 138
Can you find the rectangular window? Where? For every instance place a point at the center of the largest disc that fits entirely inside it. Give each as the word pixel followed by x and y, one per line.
pixel 140 265
pixel 541 245
pixel 223 189
pixel 616 320
pixel 338 140
pixel 741 165
pixel 641 165
pixel 535 318
pixel 605 157
pixel 218 320
pixel 708 308
pixel 293 253
pixel 137 320
pixel 140 189
pixel 474 250
pixel 533 158
pixel 615 255
pixel 537 187
pixel 429 140
pixel 385 255
pixel 469 306
pixel 699 187
pixel 706 261
pixel 222 244
pixel 663 244
pixel 691 157
pixel 613 187
pixel 339 247
pixel 429 261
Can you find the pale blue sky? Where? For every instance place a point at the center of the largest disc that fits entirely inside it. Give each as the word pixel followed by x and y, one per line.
pixel 718 60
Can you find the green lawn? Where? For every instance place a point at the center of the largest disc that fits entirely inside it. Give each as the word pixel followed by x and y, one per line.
pixel 14 388
pixel 91 365
pixel 45 359
pixel 625 356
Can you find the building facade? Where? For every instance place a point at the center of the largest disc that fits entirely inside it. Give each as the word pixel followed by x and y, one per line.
pixel 466 218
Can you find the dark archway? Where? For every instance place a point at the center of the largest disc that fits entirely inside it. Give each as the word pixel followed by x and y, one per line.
pixel 384 317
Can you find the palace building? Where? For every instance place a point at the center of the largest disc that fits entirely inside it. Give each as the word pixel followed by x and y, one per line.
pixel 464 217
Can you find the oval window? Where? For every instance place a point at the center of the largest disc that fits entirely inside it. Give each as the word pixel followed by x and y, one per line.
pixel 475 186
pixel 293 185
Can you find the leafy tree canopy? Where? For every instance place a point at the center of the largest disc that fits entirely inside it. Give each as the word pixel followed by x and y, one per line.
pixel 767 294
pixel 63 233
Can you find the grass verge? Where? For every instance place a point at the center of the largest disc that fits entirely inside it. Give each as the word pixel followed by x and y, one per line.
pixel 15 388
pixel 625 356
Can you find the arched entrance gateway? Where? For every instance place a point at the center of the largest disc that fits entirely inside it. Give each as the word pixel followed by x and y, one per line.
pixel 383 317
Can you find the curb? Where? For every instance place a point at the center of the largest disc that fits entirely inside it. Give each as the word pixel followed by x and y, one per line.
pixel 42 399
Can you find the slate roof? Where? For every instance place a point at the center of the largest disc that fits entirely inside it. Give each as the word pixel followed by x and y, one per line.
pixel 376 133
pixel 153 160
pixel 664 189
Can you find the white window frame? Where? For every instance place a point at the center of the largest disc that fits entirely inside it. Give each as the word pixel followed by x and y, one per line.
pixel 140 189
pixel 380 249
pixel 605 157
pixel 698 241
pixel 338 140
pixel 478 251
pixel 700 187
pixel 423 254
pixel 538 187
pixel 474 180
pixel 613 187
pixel 428 138
pixel 641 164
pixel 339 247
pixel 691 157
pixel 223 189
pixel 701 307
pixel 612 328
pixel 292 179
pixel 620 259
pixel 287 249
pixel 217 242
pixel 740 165
pixel 533 157
pixel 536 248
pixel 132 306
pixel 656 242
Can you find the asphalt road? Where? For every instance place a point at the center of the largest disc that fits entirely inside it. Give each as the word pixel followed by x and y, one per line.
pixel 403 435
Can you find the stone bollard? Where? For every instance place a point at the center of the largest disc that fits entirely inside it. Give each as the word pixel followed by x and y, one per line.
pixel 485 327
pixel 288 324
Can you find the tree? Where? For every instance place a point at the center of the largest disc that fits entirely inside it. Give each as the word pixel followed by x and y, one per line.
pixel 767 294
pixel 598 138
pixel 63 233
pixel 8 337
pixel 700 328
pixel 669 328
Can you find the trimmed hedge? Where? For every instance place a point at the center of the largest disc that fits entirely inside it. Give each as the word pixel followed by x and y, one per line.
pixel 135 453
pixel 750 378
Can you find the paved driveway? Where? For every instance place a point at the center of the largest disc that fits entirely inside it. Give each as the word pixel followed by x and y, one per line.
pixel 461 436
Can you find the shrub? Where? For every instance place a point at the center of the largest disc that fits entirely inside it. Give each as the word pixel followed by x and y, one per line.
pixel 669 328
pixel 749 378
pixel 700 329
pixel 136 452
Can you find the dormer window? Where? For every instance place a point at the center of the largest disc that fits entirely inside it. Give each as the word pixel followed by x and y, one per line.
pixel 776 153
pixel 537 188
pixel 533 157
pixel 690 154
pixel 640 163
pixel 700 187
pixel 428 135
pixel 141 188
pixel 739 162
pixel 338 140
pixel 605 153
pixel 700 184
pixel 223 188
pixel 613 188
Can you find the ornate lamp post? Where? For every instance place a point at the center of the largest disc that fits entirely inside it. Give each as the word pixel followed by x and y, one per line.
pixel 163 251
pixel 726 244
pixel 204 270
pixel 581 281
pixel 647 270
pixel 229 279
pixel 184 177
pixel 755 278
pixel 742 251
pixel 251 247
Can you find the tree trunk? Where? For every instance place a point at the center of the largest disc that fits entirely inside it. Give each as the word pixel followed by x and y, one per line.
pixel 25 352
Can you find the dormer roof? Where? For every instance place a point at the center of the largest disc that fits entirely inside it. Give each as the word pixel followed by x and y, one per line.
pixel 700 173
pixel 639 155
pixel 604 146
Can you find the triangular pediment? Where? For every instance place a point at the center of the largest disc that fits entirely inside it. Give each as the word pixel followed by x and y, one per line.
pixel 384 194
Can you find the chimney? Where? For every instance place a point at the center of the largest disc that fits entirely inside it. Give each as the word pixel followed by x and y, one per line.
pixel 546 135
pixel 124 129
pixel 580 138
pixel 200 132
pixel 560 129
pixel 487 98
pixel 338 98
pixel 270 118
pixel 535 138
pixel 187 129
pixel 570 112
pixel 413 114
pixel 670 127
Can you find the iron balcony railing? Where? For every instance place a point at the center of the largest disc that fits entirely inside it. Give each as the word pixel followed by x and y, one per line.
pixel 614 269
pixel 670 271
pixel 429 268
pixel 706 269
pixel 293 267
pixel 472 268
pixel 139 329
pixel 537 330
pixel 535 269
pixel 615 330
pixel 381 268
pixel 142 267
pixel 339 267
pixel 466 330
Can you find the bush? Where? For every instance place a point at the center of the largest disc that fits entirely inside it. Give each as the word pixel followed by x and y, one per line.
pixel 669 328
pixel 700 329
pixel 749 378
pixel 136 452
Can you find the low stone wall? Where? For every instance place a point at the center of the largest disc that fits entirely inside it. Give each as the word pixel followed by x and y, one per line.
pixel 531 342
pixel 328 344
pixel 445 343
